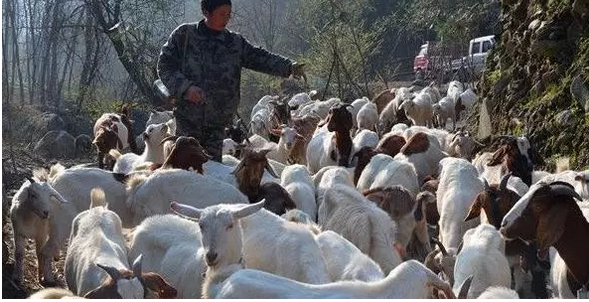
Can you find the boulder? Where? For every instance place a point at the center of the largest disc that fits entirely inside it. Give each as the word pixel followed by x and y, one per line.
pixel 56 144
pixel 83 144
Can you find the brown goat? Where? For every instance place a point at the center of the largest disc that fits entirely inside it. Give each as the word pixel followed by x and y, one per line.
pixel 339 120
pixel 495 201
pixel 106 139
pixel 150 281
pixel 509 155
pixel 389 145
pixel 550 216
pixel 418 143
pixel 383 98
pixel 186 153
pixel 250 170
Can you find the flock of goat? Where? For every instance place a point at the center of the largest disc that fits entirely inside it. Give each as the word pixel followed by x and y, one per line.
pixel 324 200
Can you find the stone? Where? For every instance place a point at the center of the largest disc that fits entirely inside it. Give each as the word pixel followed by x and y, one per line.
pixel 580 92
pixel 83 144
pixel 563 118
pixel 56 144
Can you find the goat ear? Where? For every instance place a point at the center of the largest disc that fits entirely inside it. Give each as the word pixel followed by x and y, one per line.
pixel 248 209
pixel 186 210
pixel 475 210
pixel 156 283
pixel 465 287
pixel 551 225
pixel 497 157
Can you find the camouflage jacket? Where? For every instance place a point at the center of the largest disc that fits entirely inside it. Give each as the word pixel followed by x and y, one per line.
pixel 195 55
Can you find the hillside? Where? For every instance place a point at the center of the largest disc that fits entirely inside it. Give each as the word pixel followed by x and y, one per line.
pixel 537 78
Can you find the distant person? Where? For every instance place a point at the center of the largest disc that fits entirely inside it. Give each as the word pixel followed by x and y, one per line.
pixel 201 63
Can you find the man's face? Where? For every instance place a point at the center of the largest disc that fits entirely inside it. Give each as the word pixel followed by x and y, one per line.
pixel 219 17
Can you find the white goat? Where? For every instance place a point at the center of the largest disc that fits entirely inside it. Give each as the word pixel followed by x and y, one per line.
pixel 345 211
pixel 410 280
pixel 357 104
pixel 345 261
pixel 150 195
pixel 96 241
pixel 419 109
pixel 444 110
pixel 328 177
pixel 33 215
pixel 458 187
pixel 285 248
pixel 298 183
pixel 424 153
pixel 383 171
pixel 367 117
pixel 181 251
pixel 483 257
pixel 154 151
pixel 287 136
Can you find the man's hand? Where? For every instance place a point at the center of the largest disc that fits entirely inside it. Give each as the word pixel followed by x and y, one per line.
pixel 298 71
pixel 194 94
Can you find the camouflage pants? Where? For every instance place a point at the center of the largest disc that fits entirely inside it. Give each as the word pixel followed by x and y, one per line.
pixel 196 123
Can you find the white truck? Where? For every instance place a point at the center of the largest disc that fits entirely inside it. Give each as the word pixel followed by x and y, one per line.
pixel 477 53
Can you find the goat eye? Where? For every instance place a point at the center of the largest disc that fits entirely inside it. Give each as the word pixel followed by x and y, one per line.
pixel 229 226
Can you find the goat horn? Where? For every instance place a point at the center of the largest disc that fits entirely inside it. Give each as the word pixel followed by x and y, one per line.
pixel 441 246
pixel 465 287
pixel 460 247
pixel 486 183
pixel 504 180
pixel 564 189
pixel 111 271
pixel 169 138
pixel 478 143
pixel 270 170
pixel 249 209
pixel 137 265
pixel 185 210
pixel 31 180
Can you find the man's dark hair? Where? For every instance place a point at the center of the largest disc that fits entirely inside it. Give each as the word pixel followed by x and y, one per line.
pixel 211 5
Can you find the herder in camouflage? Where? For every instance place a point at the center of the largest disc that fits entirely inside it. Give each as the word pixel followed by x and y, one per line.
pixel 201 63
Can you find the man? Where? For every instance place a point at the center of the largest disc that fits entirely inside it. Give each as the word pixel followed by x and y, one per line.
pixel 201 65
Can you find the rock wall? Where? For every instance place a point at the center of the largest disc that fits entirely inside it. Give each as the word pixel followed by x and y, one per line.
pixel 537 78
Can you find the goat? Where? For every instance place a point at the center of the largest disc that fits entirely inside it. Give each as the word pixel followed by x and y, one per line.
pixel 389 145
pixel 444 110
pixel 367 117
pixel 186 153
pixel 333 147
pixel 459 185
pixel 402 208
pixel 549 216
pixel 424 153
pixel 153 152
pixel 409 280
pixel 482 256
pixel 305 127
pixel 97 237
pixel 391 113
pixel 419 109
pixel 385 171
pixel 514 155
pixel 105 139
pixel 33 216
pixel 298 183
pixel 345 211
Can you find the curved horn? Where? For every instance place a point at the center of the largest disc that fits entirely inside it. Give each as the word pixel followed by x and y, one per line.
pixel 564 189
pixel 478 143
pixel 30 179
pixel 185 210
pixel 169 138
pixel 486 183
pixel 137 265
pixel 271 170
pixel 248 209
pixel 111 271
pixel 503 183
pixel 460 247
pixel 465 287
pixel 441 246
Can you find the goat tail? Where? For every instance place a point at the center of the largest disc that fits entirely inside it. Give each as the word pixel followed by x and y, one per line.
pixel 114 153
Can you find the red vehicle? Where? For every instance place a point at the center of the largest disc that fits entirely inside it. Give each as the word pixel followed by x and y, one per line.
pixel 433 59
